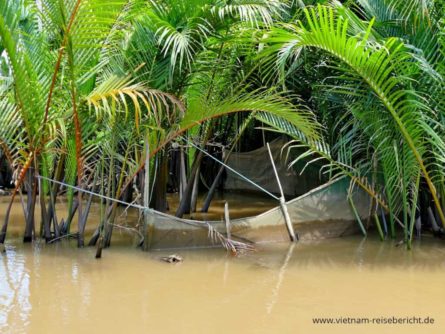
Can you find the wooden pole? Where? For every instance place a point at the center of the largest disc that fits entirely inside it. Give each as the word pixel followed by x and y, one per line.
pixel 146 195
pixel 227 221
pixel 290 228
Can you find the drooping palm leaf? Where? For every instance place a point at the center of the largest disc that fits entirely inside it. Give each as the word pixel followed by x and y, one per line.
pixel 384 69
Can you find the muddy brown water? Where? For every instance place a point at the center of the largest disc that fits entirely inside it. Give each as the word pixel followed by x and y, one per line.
pixel 276 289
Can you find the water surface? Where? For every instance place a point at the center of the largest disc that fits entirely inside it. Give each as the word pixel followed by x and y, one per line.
pixel 277 289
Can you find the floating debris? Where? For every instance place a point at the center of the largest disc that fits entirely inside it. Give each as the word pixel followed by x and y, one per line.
pixel 172 258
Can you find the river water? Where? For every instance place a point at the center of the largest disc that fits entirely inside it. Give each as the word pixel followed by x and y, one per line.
pixel 278 288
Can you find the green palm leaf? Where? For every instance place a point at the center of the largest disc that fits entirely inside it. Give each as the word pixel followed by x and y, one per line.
pixel 384 69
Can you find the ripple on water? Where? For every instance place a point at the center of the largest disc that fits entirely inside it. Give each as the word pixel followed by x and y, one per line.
pixel 278 288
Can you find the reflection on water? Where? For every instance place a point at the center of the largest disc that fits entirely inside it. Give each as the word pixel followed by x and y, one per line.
pixel 280 276
pixel 14 288
pixel 277 289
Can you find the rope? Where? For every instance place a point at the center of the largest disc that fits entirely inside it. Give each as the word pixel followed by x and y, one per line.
pixel 140 207
pixel 232 170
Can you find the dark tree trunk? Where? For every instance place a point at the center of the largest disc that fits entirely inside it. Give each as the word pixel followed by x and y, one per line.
pixel 84 216
pixel 44 215
pixel 184 205
pixel 65 224
pixel 100 246
pixel 108 228
pixel 127 196
pixel 52 215
pixel 94 238
pixel 209 197
pixel 195 191
pixel 30 206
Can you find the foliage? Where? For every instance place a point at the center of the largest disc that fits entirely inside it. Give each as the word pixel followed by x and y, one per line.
pixel 85 82
pixel 358 84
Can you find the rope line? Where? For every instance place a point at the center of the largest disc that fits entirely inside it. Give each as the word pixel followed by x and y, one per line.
pixel 232 170
pixel 140 207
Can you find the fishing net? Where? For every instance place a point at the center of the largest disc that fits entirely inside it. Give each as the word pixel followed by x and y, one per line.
pixel 256 166
pixel 321 213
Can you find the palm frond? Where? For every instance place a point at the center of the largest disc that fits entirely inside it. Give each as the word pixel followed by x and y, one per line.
pixel 385 69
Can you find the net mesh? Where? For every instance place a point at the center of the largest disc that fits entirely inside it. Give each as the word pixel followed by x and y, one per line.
pixel 321 213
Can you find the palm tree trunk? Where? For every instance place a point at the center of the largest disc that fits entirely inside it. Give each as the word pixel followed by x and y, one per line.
pixel 45 225
pixel 83 219
pixel 64 226
pixel 209 197
pixel 30 207
pixel 52 215
pixel 184 205
pixel 195 190
pixel 109 226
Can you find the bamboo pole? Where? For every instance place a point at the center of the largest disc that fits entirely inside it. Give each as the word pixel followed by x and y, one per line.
pixel 146 202
pixel 290 227
pixel 227 221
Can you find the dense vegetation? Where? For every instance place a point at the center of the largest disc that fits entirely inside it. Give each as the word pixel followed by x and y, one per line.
pixel 94 93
